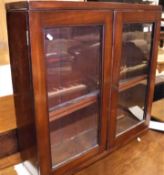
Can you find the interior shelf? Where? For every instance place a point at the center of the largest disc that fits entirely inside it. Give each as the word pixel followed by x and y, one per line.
pixel 66 108
pixel 67 90
pixel 74 146
pixel 133 71
pixel 131 82
pixel 125 120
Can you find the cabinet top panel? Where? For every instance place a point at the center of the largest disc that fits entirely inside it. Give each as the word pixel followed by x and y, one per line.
pixel 51 5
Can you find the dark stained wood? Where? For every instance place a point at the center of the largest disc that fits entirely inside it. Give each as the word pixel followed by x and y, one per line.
pixel 62 151
pixel 58 113
pixel 120 19
pixel 117 34
pixel 75 164
pixel 79 5
pixel 22 5
pixel 41 113
pixel 82 121
pixel 106 79
pixel 22 84
pixel 137 18
pixel 124 138
pixel 134 155
pixel 8 143
pixel 29 70
pixel 106 152
pixel 59 18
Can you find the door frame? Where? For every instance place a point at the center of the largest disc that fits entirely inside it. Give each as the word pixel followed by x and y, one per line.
pixel 120 18
pixel 43 19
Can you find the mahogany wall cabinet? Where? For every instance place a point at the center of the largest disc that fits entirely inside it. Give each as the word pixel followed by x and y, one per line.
pixel 83 77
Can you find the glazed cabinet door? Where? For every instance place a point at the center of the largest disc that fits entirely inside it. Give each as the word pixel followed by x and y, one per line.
pixel 71 58
pixel 135 53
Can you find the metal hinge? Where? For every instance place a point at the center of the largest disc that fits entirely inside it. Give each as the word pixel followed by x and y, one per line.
pixel 27 37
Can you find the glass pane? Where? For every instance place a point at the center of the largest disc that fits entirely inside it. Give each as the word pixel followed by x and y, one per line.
pixel 73 58
pixel 136 50
pixel 136 54
pixel 74 134
pixel 130 109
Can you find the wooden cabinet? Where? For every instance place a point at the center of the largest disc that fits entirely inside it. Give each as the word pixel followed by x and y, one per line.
pixel 83 76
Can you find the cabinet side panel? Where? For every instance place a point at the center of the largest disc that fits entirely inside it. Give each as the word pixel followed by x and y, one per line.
pixel 22 84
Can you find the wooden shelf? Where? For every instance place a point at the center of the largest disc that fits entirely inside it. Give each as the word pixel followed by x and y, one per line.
pixel 131 82
pixel 66 91
pixel 7 114
pixel 130 70
pixel 70 148
pixel 73 105
pixel 10 160
pixel 125 122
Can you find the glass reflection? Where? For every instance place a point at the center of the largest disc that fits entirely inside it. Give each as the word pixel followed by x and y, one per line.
pixel 136 53
pixel 73 58
pixel 131 104
pixel 136 50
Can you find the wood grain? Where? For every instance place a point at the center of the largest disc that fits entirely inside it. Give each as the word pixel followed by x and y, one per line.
pixel 79 5
pixel 43 20
pixel 22 85
pixel 120 19
pixel 131 83
pixel 7 114
pixel 61 112
pixel 136 158
pixel 10 160
pixel 8 171
pixel 8 143
pixel 34 57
